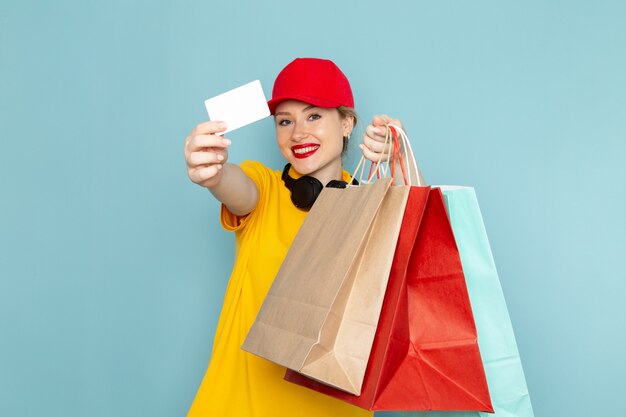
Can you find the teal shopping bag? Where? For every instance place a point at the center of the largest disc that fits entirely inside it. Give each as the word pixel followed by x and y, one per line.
pixel 498 349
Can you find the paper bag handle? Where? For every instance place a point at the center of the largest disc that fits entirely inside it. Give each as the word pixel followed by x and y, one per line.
pixel 394 135
pixel 411 163
pixel 363 162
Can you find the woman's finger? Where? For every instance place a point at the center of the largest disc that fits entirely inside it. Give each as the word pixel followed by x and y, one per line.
pixel 209 128
pixel 207 141
pixel 199 175
pixel 376 132
pixel 375 145
pixel 396 122
pixel 380 120
pixel 369 154
pixel 204 158
pixel 383 119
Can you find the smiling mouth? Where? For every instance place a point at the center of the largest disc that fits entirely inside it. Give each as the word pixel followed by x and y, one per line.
pixel 304 151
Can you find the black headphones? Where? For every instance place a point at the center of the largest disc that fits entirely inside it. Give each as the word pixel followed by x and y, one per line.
pixel 306 189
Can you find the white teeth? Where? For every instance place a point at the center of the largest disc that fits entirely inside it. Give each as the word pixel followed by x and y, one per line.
pixel 305 150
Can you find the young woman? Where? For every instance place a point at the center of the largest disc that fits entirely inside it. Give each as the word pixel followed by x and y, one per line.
pixel 313 108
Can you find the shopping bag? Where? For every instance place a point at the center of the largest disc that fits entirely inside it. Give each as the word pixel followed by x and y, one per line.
pixel 321 312
pixel 498 348
pixel 425 354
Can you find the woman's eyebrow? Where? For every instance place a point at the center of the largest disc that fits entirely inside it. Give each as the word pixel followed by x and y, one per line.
pixel 286 113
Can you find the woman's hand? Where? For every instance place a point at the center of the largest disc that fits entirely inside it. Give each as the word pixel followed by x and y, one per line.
pixel 373 146
pixel 375 150
pixel 206 153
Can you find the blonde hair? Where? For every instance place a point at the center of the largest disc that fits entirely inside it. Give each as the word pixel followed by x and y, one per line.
pixel 347 112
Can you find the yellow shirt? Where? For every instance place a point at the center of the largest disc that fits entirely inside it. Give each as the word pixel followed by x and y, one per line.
pixel 237 383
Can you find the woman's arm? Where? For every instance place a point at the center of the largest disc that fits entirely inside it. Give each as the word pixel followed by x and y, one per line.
pixel 236 190
pixel 206 154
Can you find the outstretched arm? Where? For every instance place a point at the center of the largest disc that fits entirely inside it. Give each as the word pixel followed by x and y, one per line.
pixel 206 154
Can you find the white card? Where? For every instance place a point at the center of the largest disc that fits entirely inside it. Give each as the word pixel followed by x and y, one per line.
pixel 239 107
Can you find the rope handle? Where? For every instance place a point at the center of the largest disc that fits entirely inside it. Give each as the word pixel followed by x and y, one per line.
pixel 395 136
pixel 363 162
pixel 411 163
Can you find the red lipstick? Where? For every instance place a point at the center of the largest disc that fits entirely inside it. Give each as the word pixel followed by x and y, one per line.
pixel 305 150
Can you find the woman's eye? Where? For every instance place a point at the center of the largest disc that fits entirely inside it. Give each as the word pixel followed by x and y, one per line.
pixel 315 116
pixel 284 122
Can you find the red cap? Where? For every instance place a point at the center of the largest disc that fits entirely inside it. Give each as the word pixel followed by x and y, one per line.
pixel 312 80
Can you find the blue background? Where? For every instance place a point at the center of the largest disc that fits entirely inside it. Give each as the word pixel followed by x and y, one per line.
pixel 113 264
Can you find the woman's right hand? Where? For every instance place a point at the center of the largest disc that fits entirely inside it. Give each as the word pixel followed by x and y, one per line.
pixel 206 153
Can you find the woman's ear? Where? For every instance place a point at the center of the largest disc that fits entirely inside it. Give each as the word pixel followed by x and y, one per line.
pixel 348 125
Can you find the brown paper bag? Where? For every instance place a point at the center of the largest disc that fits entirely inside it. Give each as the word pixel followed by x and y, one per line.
pixel 320 315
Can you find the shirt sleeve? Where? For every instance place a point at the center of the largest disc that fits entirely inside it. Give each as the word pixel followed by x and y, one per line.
pixel 259 174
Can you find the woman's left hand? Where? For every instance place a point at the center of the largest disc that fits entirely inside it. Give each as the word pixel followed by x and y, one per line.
pixel 374 138
pixel 375 150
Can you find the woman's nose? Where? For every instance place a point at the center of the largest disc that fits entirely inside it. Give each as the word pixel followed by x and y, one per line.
pixel 299 132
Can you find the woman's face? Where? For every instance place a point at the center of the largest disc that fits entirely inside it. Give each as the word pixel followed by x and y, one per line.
pixel 311 138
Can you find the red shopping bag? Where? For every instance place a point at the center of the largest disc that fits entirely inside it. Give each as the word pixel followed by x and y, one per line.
pixel 425 354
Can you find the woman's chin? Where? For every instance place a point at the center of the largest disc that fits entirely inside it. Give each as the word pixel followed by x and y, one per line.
pixel 315 163
pixel 304 167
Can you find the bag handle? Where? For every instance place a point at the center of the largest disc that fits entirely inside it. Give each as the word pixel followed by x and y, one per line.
pixel 410 163
pixel 395 136
pixel 363 162
pixel 397 155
